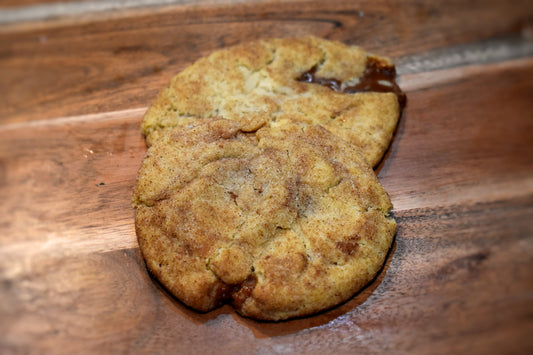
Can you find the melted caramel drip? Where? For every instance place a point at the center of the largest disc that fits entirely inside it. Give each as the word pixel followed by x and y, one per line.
pixel 244 291
pixel 372 80
pixel 224 293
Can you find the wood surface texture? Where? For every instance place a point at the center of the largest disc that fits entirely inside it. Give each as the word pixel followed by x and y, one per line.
pixel 75 81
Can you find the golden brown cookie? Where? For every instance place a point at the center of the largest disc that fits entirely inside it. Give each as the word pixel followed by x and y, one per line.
pixel 281 222
pixel 351 93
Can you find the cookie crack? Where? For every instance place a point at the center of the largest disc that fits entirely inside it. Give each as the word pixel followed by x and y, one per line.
pixel 385 213
pixel 341 112
pixel 305 242
pixel 334 185
pixel 139 202
pixel 274 56
pixel 323 59
pixel 231 293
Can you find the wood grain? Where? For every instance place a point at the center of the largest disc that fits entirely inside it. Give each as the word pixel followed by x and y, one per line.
pixel 458 277
pixel 106 64
pixel 459 172
pixel 458 280
pixel 18 3
pixel 480 118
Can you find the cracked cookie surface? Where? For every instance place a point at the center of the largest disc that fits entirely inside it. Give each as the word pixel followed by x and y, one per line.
pixel 284 221
pixel 303 79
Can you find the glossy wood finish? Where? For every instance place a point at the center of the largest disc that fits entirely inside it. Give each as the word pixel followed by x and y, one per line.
pixel 59 68
pixel 459 172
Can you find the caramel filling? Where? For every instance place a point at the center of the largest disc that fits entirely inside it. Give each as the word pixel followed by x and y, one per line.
pixel 239 293
pixel 377 77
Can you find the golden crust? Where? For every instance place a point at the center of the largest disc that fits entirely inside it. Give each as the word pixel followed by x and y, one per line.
pixel 256 84
pixel 281 222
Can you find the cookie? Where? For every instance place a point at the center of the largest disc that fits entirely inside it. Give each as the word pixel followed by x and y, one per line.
pixel 351 93
pixel 281 222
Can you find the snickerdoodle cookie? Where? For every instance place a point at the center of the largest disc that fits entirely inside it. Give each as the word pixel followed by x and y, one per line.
pixel 280 220
pixel 348 91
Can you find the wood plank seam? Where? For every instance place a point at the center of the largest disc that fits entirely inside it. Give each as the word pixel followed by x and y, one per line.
pixel 43 12
pixel 439 77
pixel 409 83
pixel 74 8
pixel 476 53
pixel 57 245
pixel 92 117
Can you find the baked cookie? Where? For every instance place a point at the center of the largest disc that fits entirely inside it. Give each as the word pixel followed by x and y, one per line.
pixel 281 222
pixel 351 93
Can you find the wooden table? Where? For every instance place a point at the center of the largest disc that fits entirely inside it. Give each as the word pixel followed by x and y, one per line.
pixel 75 80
